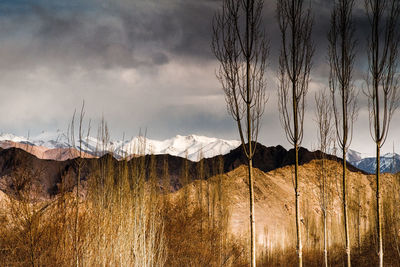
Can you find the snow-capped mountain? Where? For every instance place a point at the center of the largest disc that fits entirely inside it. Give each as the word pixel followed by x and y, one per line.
pixel 353 156
pixel 193 147
pixel 389 162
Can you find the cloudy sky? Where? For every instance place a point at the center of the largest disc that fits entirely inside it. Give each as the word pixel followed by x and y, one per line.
pixel 142 64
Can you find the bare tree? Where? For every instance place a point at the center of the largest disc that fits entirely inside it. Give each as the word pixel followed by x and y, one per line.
pixel 241 47
pixel 341 60
pixel 79 164
pixel 295 23
pixel 382 82
pixel 324 122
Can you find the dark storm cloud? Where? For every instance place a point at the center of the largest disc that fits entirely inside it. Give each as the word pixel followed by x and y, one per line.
pixel 145 33
pixel 90 37
pixel 119 30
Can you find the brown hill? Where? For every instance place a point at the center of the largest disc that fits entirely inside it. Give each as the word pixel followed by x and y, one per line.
pixel 42 152
pixel 274 203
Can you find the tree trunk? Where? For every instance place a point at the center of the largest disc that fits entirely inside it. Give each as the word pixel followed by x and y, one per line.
pixel 324 214
pixel 77 214
pixel 297 195
pixel 325 242
pixel 359 220
pixel 378 206
pixel 346 219
pixel 252 220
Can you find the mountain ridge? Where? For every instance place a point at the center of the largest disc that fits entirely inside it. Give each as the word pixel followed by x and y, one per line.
pixel 193 147
pixel 389 163
pixel 50 176
pixel 57 146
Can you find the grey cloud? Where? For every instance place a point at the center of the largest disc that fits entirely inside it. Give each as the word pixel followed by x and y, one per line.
pixel 98 39
pixel 192 120
pixel 126 34
pixel 143 63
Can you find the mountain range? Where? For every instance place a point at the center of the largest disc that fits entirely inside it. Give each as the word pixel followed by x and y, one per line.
pixel 192 147
pixel 57 146
pixel 389 163
pixel 49 176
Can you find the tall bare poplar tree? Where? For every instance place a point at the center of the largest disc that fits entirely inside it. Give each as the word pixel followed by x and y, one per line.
pixel 382 82
pixel 341 59
pixel 79 165
pixel 241 47
pixel 295 23
pixel 324 122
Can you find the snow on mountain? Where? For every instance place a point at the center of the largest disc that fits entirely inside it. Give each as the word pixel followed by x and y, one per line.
pixel 45 139
pixel 51 140
pixel 353 156
pixel 13 138
pixel 389 162
pixel 193 147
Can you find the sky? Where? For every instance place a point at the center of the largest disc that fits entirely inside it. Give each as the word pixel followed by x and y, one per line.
pixel 146 64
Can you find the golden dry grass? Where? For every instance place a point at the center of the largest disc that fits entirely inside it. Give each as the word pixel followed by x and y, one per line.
pixel 126 219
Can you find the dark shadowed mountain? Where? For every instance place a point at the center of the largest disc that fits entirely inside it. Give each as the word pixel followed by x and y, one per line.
pixel 20 169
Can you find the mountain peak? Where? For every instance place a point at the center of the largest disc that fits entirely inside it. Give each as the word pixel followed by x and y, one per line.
pixel 194 147
pixel 389 162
